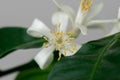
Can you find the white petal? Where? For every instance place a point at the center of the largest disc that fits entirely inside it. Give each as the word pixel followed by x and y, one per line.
pixel 38 29
pixel 75 31
pixel 93 11
pixel 119 13
pixel 67 9
pixel 83 29
pixel 79 21
pixel 115 29
pixel 100 23
pixel 68 53
pixel 45 57
pixel 80 17
pixel 62 19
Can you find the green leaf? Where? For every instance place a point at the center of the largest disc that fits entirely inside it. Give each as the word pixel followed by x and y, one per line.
pixel 13 38
pixel 96 60
pixel 33 72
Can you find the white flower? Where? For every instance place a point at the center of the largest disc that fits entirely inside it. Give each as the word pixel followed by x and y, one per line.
pixel 116 28
pixel 59 39
pixel 85 14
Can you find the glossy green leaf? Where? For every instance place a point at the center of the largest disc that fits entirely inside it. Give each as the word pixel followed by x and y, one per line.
pixel 33 72
pixel 96 60
pixel 13 38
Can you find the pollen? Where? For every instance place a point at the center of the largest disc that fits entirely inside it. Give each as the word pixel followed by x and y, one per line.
pixel 45 38
pixel 85 4
pixel 61 41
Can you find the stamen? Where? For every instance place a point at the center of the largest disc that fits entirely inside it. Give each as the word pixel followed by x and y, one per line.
pixel 59 56
pixel 85 4
pixel 45 45
pixel 62 41
pixel 75 48
pixel 58 27
pixel 51 31
pixel 45 38
pixel 65 52
pixel 58 24
pixel 70 34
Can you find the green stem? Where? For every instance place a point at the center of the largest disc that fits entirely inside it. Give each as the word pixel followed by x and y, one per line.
pixel 100 57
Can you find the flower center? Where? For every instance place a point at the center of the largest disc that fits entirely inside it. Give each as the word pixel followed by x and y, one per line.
pixel 86 4
pixel 58 37
pixel 62 41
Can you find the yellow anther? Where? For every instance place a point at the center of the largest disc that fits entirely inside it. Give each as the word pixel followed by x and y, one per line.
pixel 58 26
pixel 75 48
pixel 65 52
pixel 51 32
pixel 60 40
pixel 59 56
pixel 71 51
pixel 44 45
pixel 85 4
pixel 45 38
pixel 70 34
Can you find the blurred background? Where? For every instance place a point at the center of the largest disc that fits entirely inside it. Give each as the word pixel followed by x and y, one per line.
pixel 23 12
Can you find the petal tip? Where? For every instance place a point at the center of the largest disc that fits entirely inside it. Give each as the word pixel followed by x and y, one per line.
pixel 45 57
pixel 42 61
pixel 33 29
pixel 119 13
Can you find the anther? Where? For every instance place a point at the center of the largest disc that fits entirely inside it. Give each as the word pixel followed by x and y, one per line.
pixel 59 56
pixel 86 4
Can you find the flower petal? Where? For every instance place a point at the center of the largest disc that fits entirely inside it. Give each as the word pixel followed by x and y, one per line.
pixel 62 19
pixel 45 57
pixel 100 23
pixel 82 28
pixel 79 22
pixel 93 11
pixel 38 29
pixel 68 53
pixel 80 17
pixel 119 13
pixel 67 9
pixel 115 29
pixel 75 31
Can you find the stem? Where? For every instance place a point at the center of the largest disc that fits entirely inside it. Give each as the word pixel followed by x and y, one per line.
pixel 19 68
pixel 100 57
